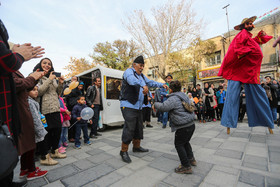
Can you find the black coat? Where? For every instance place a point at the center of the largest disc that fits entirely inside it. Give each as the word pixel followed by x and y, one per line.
pixel 71 99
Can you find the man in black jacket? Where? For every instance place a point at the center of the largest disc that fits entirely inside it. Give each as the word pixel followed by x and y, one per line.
pixel 94 100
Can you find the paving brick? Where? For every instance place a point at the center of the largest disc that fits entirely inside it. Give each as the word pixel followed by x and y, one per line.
pixel 81 155
pixel 107 180
pixel 234 145
pixel 272 182
pixel 251 178
pixel 274 148
pixel 171 156
pixel 220 178
pixel 258 138
pixel 241 134
pixel 202 168
pixel 61 172
pixel 155 154
pixel 94 151
pixel 241 184
pixel 255 160
pixel 137 164
pixel 199 140
pixel 124 171
pixel 67 160
pixel 274 167
pixel 111 142
pixel 162 184
pixel 56 184
pixel 99 158
pixel 148 158
pixel 164 164
pixel 84 164
pixel 212 145
pixel 229 170
pixel 255 166
pixel 183 180
pixel 37 182
pixel 144 177
pixel 223 135
pixel 274 157
pixel 87 176
pixel 115 162
pixel 229 153
pixel 257 151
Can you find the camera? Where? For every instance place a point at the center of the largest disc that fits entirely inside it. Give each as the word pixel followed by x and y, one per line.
pixel 57 74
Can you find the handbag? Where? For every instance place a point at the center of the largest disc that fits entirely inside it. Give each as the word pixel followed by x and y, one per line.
pixel 8 151
pixel 190 107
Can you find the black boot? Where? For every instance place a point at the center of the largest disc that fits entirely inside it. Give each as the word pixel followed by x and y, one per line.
pixel 125 157
pixel 140 149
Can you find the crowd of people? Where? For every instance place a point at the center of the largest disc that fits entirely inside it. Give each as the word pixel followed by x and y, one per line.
pixel 42 118
pixel 209 101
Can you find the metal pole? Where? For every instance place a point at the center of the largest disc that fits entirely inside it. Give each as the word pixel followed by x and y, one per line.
pixel 227 22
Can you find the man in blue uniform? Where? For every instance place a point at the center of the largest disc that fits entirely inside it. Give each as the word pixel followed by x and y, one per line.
pixel 134 87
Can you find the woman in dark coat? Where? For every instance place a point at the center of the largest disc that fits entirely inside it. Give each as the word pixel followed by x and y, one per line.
pixel 26 139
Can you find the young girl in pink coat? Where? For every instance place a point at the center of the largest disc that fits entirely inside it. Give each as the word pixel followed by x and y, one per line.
pixel 65 117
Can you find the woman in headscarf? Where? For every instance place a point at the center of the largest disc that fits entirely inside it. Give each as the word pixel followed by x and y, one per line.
pixel 208 99
pixel 48 91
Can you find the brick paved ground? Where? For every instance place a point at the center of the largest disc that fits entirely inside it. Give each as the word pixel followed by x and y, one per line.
pixel 246 157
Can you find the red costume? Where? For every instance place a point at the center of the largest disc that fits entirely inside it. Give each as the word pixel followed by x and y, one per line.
pixel 243 59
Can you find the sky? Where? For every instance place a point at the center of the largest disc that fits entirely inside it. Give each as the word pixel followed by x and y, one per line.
pixel 72 28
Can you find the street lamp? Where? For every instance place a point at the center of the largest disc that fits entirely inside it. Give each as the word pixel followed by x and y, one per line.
pixel 225 7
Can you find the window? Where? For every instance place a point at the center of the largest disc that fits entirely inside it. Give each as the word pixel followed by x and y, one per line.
pixel 113 86
pixel 216 59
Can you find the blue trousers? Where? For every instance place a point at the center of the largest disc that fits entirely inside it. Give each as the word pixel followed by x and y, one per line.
pixel 81 127
pixel 164 118
pixel 63 136
pixel 257 105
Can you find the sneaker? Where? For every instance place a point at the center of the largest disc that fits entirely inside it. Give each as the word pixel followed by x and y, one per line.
pixel 88 143
pixel 97 134
pixel 72 140
pixel 214 119
pixel 36 174
pixel 150 126
pixel 193 162
pixel 183 170
pixel 48 161
pixel 57 154
pixel 23 173
pixel 93 136
pixel 78 146
pixel 65 144
pixel 61 150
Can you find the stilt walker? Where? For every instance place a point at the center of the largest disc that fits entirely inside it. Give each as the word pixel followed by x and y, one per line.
pixel 241 65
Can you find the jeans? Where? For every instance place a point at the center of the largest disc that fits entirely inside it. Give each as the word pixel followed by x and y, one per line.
pixel 274 113
pixel 159 114
pixel 183 146
pixel 164 118
pixel 84 128
pixel 95 119
pixel 63 136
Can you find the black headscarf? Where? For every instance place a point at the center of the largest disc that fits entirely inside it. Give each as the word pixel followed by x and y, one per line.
pixel 39 66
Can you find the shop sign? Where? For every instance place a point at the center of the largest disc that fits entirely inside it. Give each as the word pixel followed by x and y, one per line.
pixel 208 73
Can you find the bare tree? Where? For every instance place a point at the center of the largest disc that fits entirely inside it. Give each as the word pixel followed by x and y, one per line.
pixel 171 28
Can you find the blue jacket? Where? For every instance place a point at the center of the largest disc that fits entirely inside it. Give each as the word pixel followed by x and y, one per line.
pixel 134 79
pixel 76 112
pixel 221 97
